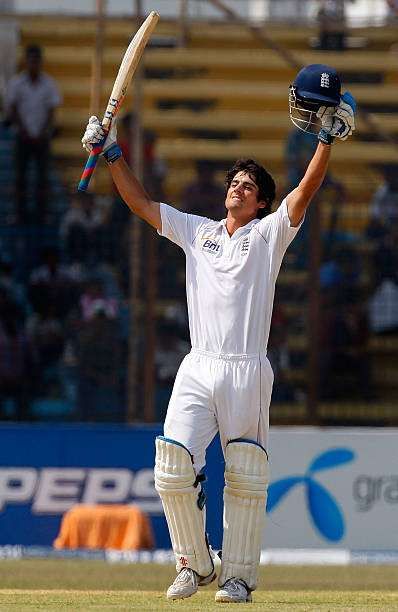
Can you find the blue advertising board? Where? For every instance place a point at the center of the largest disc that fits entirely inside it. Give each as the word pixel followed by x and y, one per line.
pixel 45 469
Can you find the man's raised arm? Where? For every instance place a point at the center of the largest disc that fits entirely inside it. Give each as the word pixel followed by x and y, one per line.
pixel 130 189
pixel 336 123
pixel 299 199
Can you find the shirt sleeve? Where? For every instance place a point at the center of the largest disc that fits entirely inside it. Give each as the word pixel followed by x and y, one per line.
pixel 11 93
pixel 277 229
pixel 179 227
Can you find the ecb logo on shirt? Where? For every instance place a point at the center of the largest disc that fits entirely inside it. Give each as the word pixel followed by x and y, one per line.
pixel 210 246
pixel 244 249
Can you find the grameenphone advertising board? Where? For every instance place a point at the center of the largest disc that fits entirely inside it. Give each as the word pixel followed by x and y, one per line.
pixel 333 488
pixel 330 488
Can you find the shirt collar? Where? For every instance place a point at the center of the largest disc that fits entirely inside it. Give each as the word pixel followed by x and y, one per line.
pixel 240 230
pixel 27 78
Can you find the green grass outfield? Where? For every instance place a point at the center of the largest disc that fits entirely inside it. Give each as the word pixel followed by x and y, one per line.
pixel 74 585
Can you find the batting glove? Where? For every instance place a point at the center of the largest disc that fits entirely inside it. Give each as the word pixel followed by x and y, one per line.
pixel 325 114
pixel 344 117
pixel 95 133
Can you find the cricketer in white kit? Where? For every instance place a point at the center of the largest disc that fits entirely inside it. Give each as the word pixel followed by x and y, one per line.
pixel 224 384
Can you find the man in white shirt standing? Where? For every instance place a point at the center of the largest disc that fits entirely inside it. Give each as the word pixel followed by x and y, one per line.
pixel 224 384
pixel 31 99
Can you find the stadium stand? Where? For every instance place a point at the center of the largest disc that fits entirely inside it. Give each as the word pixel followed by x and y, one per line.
pixel 224 96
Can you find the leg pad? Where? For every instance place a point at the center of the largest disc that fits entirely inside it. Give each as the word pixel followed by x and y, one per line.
pixel 181 495
pixel 245 496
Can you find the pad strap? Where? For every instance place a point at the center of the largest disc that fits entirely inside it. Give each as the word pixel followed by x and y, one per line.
pixel 245 496
pixel 183 501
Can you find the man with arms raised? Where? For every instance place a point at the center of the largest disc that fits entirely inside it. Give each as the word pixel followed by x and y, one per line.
pixel 224 384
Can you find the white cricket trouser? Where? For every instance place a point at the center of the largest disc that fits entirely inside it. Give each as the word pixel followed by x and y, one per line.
pixel 226 393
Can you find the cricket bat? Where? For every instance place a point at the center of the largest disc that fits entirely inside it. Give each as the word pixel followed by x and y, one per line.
pixel 127 68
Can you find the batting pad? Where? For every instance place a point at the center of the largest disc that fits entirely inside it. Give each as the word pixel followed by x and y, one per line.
pixel 180 492
pixel 245 496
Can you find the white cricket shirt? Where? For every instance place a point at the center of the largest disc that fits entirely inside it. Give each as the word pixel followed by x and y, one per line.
pixel 230 280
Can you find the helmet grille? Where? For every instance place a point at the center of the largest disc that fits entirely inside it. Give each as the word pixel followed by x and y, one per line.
pixel 303 112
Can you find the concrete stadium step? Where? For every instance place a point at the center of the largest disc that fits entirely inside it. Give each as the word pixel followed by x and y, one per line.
pixel 56 30
pixel 205 94
pixel 258 123
pixel 224 90
pixel 200 32
pixel 270 150
pixel 183 148
pixel 248 59
pixel 291 36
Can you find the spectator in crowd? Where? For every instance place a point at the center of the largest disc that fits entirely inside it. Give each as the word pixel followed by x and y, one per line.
pixel 383 307
pixel 47 338
pixel 345 363
pixel 171 349
pixel 100 294
pixel 332 24
pixel 385 255
pixel 15 290
pixel 99 357
pixel 383 303
pixel 392 7
pixel 16 365
pixel 382 231
pixel 95 297
pixel 81 229
pixel 342 270
pixel 32 97
pixel 279 355
pixel 384 203
pixel 53 282
pixel 203 195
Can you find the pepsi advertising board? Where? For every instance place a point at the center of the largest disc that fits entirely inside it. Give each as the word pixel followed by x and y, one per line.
pixel 47 469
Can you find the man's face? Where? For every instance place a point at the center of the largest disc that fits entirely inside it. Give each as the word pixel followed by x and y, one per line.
pixel 241 200
pixel 33 64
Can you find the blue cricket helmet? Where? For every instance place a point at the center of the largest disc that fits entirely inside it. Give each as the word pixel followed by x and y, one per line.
pixel 320 83
pixel 315 85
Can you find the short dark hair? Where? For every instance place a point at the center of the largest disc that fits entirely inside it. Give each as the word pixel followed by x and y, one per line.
pixel 33 51
pixel 262 178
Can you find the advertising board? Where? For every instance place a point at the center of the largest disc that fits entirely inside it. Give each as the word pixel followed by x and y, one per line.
pixel 330 488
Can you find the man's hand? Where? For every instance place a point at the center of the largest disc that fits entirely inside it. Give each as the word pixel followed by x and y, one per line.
pixel 325 114
pixel 95 133
pixel 344 117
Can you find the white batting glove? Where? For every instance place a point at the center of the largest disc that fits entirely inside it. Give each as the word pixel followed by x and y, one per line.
pixel 325 114
pixel 344 117
pixel 95 133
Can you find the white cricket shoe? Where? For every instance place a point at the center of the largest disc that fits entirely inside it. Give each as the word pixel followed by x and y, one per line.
pixel 185 584
pixel 234 591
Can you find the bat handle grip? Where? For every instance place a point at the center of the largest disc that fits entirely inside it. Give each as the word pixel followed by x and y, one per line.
pixel 90 165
